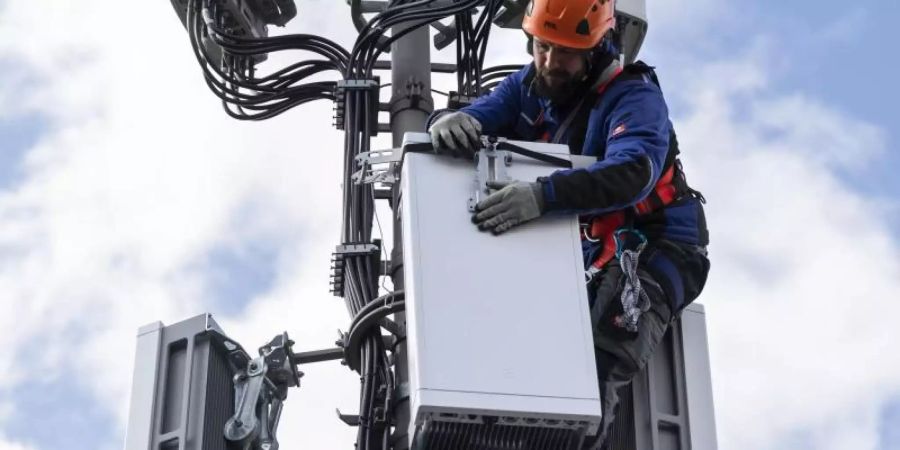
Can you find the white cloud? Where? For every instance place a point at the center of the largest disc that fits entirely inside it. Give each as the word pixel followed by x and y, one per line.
pixel 691 29
pixel 141 174
pixel 830 138
pixel 803 267
pixel 6 445
pixel 6 410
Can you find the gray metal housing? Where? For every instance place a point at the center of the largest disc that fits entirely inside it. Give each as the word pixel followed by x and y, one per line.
pixel 631 16
pixel 182 392
pixel 669 406
pixel 497 327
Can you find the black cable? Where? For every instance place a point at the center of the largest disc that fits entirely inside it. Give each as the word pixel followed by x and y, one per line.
pixel 374 29
pixel 503 68
pixel 231 76
pixel 484 28
pixel 422 17
pixel 490 11
pixel 365 325
pixel 386 299
pixel 234 80
pixel 373 58
pixel 361 276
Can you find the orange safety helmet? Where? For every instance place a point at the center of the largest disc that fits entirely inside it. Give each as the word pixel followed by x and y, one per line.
pixel 570 23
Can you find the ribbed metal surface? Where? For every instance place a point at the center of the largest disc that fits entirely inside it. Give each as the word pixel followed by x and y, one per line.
pixel 621 432
pixel 219 401
pixel 491 435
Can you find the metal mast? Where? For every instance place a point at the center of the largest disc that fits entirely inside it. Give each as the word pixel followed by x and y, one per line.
pixel 410 104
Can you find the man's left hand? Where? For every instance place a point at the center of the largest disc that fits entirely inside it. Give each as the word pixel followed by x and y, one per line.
pixel 515 203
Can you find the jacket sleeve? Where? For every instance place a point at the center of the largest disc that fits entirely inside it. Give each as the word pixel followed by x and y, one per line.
pixel 498 110
pixel 637 140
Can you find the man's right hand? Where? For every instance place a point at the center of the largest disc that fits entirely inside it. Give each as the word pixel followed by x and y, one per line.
pixel 457 134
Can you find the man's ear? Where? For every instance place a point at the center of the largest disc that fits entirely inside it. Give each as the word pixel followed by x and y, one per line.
pixel 529 45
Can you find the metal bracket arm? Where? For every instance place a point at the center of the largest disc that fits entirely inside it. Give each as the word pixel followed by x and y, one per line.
pixel 490 165
pixel 377 166
pixel 259 393
pixel 243 428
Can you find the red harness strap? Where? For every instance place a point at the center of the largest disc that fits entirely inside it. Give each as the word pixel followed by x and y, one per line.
pixel 604 227
pixel 663 193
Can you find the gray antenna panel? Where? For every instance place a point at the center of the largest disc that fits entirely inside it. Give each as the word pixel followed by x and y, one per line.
pixel 182 392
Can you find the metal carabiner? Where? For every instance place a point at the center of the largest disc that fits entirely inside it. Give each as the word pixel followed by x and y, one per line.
pixel 620 243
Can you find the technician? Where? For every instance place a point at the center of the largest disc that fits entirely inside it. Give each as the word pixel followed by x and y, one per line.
pixel 644 231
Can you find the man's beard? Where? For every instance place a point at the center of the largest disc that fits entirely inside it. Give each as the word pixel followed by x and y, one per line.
pixel 565 87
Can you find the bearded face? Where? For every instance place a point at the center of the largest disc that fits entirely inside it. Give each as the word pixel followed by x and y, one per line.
pixel 558 86
pixel 560 72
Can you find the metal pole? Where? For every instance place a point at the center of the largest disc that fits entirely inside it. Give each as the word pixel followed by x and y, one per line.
pixel 411 103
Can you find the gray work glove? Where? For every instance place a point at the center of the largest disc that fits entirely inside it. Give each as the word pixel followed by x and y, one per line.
pixel 456 134
pixel 515 203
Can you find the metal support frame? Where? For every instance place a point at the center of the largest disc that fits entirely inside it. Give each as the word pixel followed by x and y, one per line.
pixel 669 405
pixel 659 393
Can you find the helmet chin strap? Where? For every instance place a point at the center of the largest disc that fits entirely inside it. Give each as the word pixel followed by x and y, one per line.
pixel 602 63
pixel 608 72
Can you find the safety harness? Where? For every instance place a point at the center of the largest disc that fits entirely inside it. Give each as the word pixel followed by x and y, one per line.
pixel 670 187
pixel 610 228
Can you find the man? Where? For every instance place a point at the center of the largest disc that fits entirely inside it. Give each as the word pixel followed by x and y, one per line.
pixel 645 234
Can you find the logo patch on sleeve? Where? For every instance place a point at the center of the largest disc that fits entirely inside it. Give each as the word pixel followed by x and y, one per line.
pixel 618 130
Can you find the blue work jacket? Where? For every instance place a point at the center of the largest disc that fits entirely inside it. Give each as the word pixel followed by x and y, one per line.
pixel 629 131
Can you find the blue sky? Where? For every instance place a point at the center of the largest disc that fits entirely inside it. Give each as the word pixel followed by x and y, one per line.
pixel 141 201
pixel 856 70
pixel 40 417
pixel 19 135
pixel 890 432
pixel 838 53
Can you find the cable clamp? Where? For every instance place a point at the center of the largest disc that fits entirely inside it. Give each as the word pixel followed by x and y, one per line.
pixel 342 87
pixel 413 96
pixel 347 251
pixel 357 85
